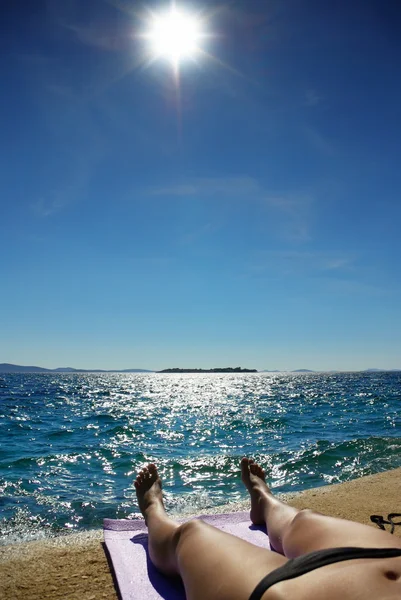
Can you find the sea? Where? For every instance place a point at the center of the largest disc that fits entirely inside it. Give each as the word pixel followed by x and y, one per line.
pixel 71 444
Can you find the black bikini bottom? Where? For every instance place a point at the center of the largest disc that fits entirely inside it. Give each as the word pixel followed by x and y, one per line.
pixel 314 560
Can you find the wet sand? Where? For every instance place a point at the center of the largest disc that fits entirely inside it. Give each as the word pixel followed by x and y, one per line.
pixel 75 567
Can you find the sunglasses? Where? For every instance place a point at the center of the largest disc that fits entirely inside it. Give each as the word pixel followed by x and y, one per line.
pixel 381 521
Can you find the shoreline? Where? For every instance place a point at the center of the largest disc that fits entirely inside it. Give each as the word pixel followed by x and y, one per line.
pixel 75 566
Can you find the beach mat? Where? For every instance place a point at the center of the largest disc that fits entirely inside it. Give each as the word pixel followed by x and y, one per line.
pixel 136 577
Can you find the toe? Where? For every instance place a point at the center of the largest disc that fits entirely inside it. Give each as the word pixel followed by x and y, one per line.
pixel 257 470
pixel 152 469
pixel 245 468
pixel 261 472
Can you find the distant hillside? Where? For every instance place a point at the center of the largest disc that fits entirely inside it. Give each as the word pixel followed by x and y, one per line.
pixel 381 371
pixel 278 371
pixel 9 368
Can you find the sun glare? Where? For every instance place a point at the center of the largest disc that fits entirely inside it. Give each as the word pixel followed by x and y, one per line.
pixel 175 35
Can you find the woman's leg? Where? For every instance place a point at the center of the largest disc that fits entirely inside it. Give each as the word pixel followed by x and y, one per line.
pixel 212 564
pixel 295 532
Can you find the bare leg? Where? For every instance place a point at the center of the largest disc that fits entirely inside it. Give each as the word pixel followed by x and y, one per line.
pixel 212 564
pixel 265 508
pixel 295 532
pixel 148 487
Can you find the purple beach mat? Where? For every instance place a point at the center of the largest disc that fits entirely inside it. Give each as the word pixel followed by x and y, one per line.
pixel 137 579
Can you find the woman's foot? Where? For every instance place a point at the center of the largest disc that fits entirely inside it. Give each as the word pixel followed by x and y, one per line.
pixel 148 487
pixel 253 477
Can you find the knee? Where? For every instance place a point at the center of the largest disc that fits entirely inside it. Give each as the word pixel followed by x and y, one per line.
pixel 299 530
pixel 187 531
pixel 303 518
pixel 300 524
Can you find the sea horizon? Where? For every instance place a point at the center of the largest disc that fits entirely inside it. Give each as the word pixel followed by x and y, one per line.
pixel 12 368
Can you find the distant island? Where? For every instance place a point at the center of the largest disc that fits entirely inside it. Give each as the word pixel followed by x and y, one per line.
pixel 217 370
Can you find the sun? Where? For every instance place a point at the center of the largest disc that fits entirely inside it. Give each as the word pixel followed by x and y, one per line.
pixel 175 35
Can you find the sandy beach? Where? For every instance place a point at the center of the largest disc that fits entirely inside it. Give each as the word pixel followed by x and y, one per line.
pixel 75 567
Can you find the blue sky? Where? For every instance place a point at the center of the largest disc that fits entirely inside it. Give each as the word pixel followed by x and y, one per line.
pixel 249 216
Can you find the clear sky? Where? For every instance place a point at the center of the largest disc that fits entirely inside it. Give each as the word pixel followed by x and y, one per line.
pixel 248 216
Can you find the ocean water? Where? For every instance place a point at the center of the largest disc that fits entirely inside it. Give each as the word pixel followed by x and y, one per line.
pixel 71 444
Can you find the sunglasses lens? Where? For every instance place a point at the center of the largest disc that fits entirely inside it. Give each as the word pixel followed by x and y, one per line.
pixel 395 518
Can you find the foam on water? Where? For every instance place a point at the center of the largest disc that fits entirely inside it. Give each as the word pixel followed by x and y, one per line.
pixel 71 444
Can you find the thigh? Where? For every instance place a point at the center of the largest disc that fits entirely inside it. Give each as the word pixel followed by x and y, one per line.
pixel 311 531
pixel 219 566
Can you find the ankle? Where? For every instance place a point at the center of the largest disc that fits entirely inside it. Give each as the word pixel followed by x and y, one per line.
pixel 154 508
